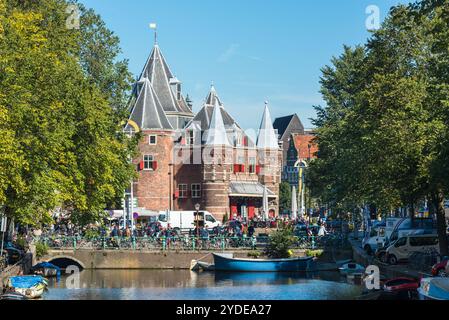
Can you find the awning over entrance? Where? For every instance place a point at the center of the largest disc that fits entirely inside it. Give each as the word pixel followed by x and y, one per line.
pixel 248 189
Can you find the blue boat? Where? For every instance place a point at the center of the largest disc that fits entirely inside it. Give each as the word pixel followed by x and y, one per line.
pixel 46 269
pixel 434 289
pixel 226 262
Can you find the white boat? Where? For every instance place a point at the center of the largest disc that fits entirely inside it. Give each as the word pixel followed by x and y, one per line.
pixel 434 289
pixel 30 286
pixel 196 265
pixel 33 292
pixel 351 269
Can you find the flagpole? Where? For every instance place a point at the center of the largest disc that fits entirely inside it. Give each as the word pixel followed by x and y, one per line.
pixel 153 26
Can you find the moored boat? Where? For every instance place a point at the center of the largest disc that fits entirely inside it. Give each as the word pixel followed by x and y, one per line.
pixel 13 296
pixel 401 284
pixel 352 269
pixel 226 262
pixel 46 269
pixel 30 286
pixel 434 289
pixel 196 265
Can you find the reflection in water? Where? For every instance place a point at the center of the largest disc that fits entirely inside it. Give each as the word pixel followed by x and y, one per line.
pixel 188 285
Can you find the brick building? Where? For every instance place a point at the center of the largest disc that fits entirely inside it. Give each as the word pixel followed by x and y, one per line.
pixel 297 145
pixel 205 158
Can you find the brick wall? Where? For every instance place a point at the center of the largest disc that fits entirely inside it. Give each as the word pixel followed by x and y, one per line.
pixel 153 187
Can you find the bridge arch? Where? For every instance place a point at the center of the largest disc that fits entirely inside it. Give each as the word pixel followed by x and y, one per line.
pixel 63 261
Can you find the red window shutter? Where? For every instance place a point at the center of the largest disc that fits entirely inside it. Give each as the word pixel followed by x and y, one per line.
pixel 242 168
pixel 176 194
pixel 154 165
pixel 236 168
pixel 257 169
pixel 245 141
pixel 141 165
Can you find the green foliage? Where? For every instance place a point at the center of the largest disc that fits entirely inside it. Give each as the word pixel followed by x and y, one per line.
pixel 285 197
pixel 314 253
pixel 280 242
pixel 92 234
pixel 63 144
pixel 41 249
pixel 384 136
pixel 225 218
pixel 254 254
pixel 21 243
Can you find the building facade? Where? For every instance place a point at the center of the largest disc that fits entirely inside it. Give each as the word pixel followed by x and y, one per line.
pixel 185 159
pixel 300 147
pixel 298 144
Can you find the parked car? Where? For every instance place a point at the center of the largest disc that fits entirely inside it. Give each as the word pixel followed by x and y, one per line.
pixel 405 246
pixel 441 269
pixel 376 239
pixel 381 252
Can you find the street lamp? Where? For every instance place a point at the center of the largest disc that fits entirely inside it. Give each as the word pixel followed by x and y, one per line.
pixel 197 208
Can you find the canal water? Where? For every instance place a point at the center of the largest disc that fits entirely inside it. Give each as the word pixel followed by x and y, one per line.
pixel 188 285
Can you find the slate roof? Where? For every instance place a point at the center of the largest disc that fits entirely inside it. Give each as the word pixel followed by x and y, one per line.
pixel 282 123
pixel 147 110
pixel 164 82
pixel 216 133
pixel 202 120
pixel 267 137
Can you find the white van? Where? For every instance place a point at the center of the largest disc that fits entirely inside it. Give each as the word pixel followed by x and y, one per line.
pixel 403 248
pixel 185 220
pixel 376 239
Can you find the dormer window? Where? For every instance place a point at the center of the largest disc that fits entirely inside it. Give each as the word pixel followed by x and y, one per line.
pixel 178 91
pixel 189 137
pixel 175 85
pixel 239 140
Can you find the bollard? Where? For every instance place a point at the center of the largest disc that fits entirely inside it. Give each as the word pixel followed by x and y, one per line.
pixel 313 242
pixel 103 243
pixel 193 243
pixel 134 242
pixel 253 241
pixel 74 243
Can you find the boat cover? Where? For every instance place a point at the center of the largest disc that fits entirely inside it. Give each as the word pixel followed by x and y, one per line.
pixel 24 282
pixel 47 265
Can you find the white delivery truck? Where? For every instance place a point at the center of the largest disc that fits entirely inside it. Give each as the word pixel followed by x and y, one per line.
pixel 185 220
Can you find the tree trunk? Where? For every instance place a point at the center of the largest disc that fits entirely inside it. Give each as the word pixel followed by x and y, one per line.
pixel 438 202
pixel 412 213
pixel 9 222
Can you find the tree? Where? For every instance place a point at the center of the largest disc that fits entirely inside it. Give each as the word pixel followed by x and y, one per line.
pixel 65 142
pixel 285 197
pixel 383 136
pixel 280 242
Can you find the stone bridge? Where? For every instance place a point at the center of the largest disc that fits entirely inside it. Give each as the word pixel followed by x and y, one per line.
pixel 128 259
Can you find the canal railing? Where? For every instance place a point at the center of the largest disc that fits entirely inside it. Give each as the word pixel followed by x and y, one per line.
pixel 185 243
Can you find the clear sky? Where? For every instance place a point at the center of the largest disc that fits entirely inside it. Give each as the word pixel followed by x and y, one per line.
pixel 252 50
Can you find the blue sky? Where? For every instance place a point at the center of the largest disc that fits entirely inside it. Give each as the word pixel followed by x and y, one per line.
pixel 252 50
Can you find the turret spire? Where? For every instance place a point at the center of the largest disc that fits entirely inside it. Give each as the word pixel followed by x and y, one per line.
pixel 267 138
pixel 216 134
